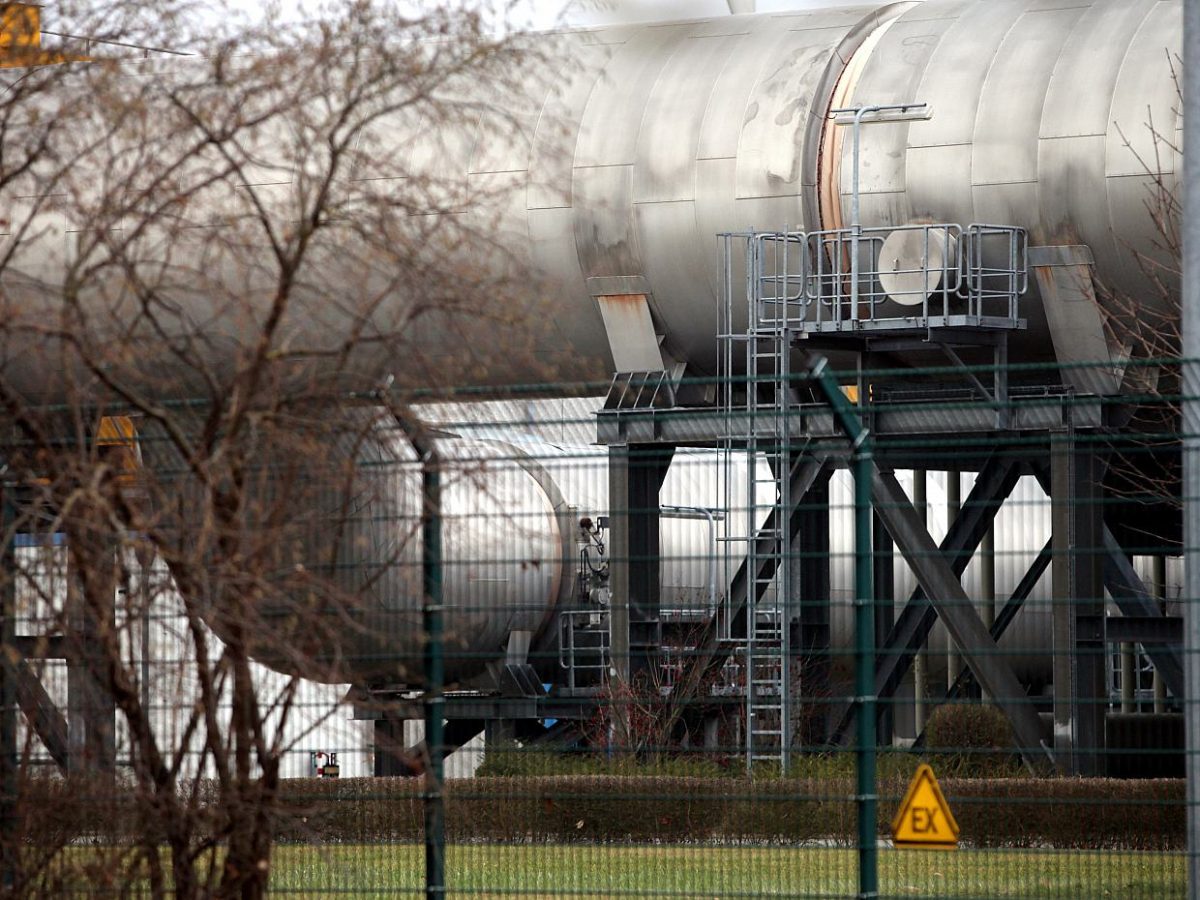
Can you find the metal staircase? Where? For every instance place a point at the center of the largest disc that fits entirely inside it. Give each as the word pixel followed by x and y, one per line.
pixel 917 287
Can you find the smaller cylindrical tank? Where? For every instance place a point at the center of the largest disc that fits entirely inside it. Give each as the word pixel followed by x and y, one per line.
pixel 333 524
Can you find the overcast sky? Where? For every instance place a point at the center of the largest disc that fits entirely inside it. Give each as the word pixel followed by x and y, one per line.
pixel 548 13
pixel 543 13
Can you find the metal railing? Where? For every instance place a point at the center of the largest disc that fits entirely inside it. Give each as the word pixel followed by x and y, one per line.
pixel 911 277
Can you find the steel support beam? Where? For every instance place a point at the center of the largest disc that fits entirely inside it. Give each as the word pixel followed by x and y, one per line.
pixel 1080 692
pixel 1133 598
pixel 1133 629
pixel 883 557
pixel 43 716
pixel 997 628
pixel 814 645
pixel 91 708
pixel 941 585
pixel 992 487
pixel 635 475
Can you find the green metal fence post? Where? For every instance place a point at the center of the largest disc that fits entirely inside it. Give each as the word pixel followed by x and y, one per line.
pixel 1191 436
pixel 864 672
pixel 433 654
pixel 431 568
pixel 862 461
pixel 8 698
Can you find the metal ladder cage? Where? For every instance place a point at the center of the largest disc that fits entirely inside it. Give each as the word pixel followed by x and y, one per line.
pixel 757 424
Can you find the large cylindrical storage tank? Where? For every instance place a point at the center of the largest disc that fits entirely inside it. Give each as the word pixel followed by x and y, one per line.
pixel 333 530
pixel 627 149
pixel 1062 118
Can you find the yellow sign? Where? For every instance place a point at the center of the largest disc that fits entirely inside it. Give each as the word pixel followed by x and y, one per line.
pixel 924 819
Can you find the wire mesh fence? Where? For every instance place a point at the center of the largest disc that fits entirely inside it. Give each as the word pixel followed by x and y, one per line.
pixel 484 648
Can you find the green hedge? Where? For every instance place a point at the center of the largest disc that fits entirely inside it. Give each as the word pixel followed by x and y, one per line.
pixel 1067 813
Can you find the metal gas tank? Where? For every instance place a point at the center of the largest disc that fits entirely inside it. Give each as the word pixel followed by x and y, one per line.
pixel 627 149
pixel 335 528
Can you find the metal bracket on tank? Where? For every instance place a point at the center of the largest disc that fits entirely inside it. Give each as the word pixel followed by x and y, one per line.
pixel 518 678
pixel 1090 361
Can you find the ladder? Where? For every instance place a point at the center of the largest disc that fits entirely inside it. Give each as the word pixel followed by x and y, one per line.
pixel 763 415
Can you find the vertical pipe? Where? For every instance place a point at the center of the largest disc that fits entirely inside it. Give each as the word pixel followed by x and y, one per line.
pixel 431 614
pixel 1061 613
pixel 921 662
pixel 1128 679
pixel 855 220
pixel 1158 577
pixel 1191 432
pixel 882 563
pixel 144 600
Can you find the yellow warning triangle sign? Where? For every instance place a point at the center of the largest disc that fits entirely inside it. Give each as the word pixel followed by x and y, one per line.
pixel 924 819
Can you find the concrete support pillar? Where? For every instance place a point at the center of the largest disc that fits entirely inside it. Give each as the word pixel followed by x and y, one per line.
pixel 500 738
pixel 391 759
pixel 1080 689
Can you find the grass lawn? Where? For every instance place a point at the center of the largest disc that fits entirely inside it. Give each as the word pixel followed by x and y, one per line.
pixel 597 871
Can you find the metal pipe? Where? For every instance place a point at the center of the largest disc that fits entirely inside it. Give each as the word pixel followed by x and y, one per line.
pixel 9 761
pixel 868 879
pixel 987 577
pixel 855 217
pixel 1128 678
pixel 893 112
